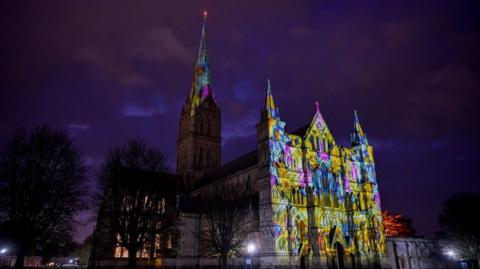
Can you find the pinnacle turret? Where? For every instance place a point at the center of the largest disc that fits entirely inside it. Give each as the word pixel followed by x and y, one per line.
pixel 269 110
pixel 358 136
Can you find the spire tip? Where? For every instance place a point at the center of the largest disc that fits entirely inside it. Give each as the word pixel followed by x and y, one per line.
pixel 205 13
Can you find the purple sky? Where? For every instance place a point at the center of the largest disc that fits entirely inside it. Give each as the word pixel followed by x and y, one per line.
pixel 110 71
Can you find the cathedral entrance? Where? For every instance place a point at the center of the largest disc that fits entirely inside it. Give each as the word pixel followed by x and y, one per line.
pixel 339 258
pixel 349 261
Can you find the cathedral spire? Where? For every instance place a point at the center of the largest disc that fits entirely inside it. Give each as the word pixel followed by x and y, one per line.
pixel 199 144
pixel 270 110
pixel 201 85
pixel 202 66
pixel 358 136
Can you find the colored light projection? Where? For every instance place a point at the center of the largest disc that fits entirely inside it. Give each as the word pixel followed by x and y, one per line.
pixel 201 77
pixel 322 194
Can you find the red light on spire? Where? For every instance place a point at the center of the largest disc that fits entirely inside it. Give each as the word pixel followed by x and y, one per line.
pixel 205 13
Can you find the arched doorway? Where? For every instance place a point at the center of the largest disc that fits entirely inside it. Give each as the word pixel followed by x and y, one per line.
pixel 352 260
pixel 349 261
pixel 339 259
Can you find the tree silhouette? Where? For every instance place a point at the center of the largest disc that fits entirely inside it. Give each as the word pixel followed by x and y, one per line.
pixel 396 225
pixel 138 198
pixel 42 187
pixel 226 220
pixel 459 226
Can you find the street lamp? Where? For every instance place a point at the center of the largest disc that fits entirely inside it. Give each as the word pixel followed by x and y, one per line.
pixel 251 248
pixel 450 253
pixel 3 250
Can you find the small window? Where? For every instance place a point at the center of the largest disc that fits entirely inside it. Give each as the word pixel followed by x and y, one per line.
pixel 169 242
pixel 326 200
pixel 335 201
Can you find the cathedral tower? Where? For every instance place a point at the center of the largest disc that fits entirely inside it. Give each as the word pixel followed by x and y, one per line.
pixel 199 138
pixel 269 118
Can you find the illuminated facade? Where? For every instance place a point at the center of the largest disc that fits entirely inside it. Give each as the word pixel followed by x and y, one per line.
pixel 317 199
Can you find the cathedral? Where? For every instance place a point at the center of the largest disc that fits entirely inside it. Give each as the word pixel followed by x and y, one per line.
pixel 315 198
pixel 311 191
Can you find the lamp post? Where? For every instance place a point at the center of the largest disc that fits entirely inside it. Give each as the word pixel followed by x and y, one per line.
pixel 3 252
pixel 251 248
pixel 450 253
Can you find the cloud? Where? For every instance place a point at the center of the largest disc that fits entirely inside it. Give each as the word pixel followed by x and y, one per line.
pixel 244 91
pixel 241 106
pixel 79 126
pixel 123 64
pixel 442 101
pixel 109 65
pixel 148 109
pixel 137 111
pixel 160 44
pixel 241 127
pixel 75 128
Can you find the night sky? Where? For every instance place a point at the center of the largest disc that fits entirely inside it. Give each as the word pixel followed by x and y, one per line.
pixel 111 71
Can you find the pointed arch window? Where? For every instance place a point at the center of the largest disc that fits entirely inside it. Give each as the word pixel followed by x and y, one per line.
pixel 312 142
pixel 206 125
pixel 202 157
pixel 199 125
pixel 209 127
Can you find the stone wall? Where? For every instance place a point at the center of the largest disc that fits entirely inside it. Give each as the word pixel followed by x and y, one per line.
pixel 414 253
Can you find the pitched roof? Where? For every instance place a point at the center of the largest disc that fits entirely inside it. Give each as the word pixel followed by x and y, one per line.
pixel 243 162
pixel 301 131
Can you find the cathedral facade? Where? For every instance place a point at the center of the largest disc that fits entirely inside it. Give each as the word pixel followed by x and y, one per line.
pixel 315 198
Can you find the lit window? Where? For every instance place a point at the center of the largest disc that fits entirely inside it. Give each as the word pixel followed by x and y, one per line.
pixel 169 242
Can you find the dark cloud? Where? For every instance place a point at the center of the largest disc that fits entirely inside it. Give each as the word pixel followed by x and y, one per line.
pixel 112 71
pixel 161 45
pixel 105 64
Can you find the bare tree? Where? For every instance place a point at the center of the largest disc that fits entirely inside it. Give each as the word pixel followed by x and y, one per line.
pixel 42 187
pixel 227 219
pixel 139 197
pixel 459 226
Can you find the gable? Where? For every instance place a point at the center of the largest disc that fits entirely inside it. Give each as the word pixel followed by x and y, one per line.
pixel 318 136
